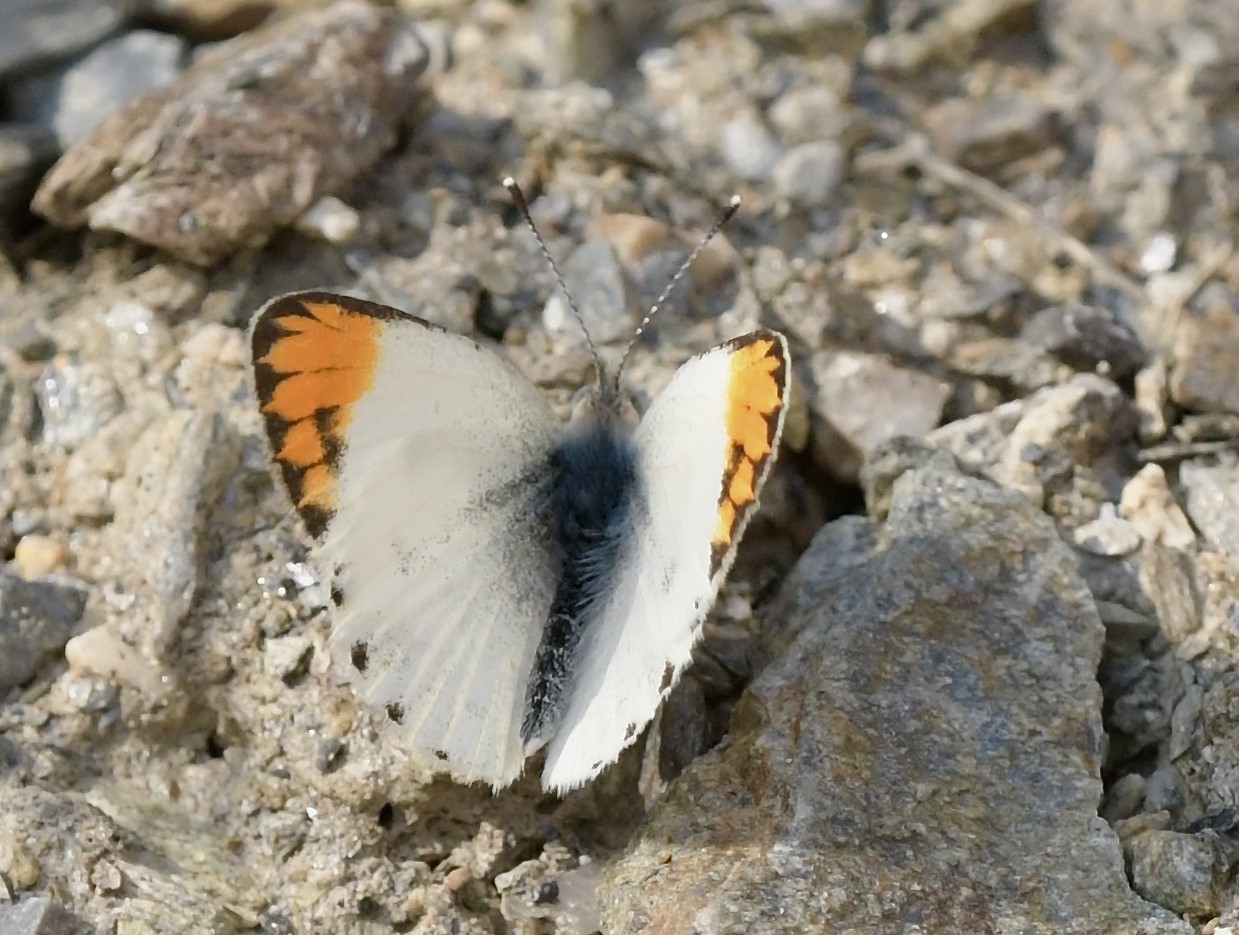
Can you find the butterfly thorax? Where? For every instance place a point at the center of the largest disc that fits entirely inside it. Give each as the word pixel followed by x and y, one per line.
pixel 592 492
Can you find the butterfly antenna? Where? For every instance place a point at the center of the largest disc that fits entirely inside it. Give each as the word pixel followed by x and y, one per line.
pixel 518 198
pixel 733 205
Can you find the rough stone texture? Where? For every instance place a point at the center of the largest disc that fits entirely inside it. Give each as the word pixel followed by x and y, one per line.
pixel 1183 872
pixel 248 138
pixel 36 619
pixel 1203 373
pixel 36 916
pixel 896 764
pixel 1211 497
pixel 858 401
pixel 38 31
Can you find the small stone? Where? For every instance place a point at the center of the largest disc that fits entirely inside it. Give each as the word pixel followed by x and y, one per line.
pixel 106 877
pixel 1087 338
pixel 78 99
pixel 1124 798
pixel 330 219
pixel 30 342
pixel 36 619
pixel 37 555
pixel 37 32
pixel 809 112
pixel 1158 255
pixel 17 863
pixel 860 400
pixel 1153 400
pixel 101 651
pixel 285 657
pixel 809 174
pixel 77 400
pixel 1212 501
pixel 1108 535
pixel 457 879
pixel 1165 790
pixel 330 755
pixel 1183 872
pixel 987 132
pixel 749 149
pixel 597 282
pixel 39 915
pixel 1202 375
pixel 1149 505
pixel 354 70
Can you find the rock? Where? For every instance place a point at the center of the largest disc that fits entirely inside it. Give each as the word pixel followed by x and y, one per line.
pixel 592 39
pixel 172 484
pixel 39 915
pixel 986 133
pixel 285 657
pixel 597 283
pixel 1148 504
pixel 279 118
pixel 37 32
pixel 1124 798
pixel 36 619
pixel 37 555
pixel 808 175
pixel 1060 442
pixel 330 219
pixel 892 762
pixel 1164 790
pixel 857 401
pixel 77 400
pixel 1108 535
pixel 810 113
pixel 1202 373
pixel 1183 872
pixel 749 149
pixel 76 100
pixel 1211 496
pixel 1087 338
pixel 949 32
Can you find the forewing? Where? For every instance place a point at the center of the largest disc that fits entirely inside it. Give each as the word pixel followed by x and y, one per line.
pixel 705 448
pixel 418 461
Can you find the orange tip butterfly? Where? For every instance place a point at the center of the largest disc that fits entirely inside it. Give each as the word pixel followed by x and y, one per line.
pixel 502 582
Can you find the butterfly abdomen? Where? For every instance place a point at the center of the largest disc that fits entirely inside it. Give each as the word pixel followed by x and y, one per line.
pixel 595 481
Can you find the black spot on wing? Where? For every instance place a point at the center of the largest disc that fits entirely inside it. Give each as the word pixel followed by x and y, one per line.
pixel 359 656
pixel 395 712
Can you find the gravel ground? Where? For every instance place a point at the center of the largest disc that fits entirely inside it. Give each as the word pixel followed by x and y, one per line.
pixel 975 668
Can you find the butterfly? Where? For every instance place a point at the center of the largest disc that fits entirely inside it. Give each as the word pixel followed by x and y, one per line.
pixel 501 582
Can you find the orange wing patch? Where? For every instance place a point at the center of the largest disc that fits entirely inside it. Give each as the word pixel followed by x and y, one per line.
pixel 314 357
pixel 755 397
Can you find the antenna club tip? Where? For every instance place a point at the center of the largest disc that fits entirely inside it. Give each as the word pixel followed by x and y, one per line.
pixel 733 203
pixel 508 182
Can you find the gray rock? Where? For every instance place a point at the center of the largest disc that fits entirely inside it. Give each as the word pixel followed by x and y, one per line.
pixel 808 174
pixel 172 483
pixel 77 400
pixel 1164 791
pixel 597 283
pixel 1087 337
pixel 39 915
pixel 1211 497
pixel 991 130
pixel 894 762
pixel 749 149
pixel 37 32
pixel 1060 442
pixel 857 401
pixel 279 118
pixel 1124 798
pixel 36 620
pixel 79 98
pixel 1183 872
pixel 1202 373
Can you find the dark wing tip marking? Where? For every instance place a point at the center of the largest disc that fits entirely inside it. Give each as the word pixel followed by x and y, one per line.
pixel 359 655
pixel 395 712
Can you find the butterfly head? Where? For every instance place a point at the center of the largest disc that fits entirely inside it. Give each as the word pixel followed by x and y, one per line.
pixel 603 403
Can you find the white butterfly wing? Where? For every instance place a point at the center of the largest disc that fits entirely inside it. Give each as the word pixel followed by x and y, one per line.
pixel 704 449
pixel 419 462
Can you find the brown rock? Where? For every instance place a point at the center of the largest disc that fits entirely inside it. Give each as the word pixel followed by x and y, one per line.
pixel 248 138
